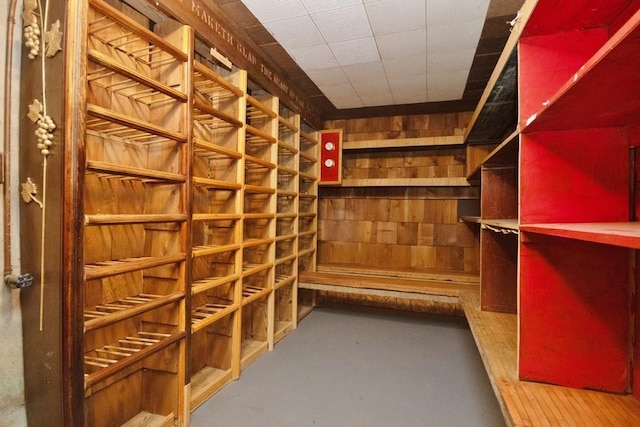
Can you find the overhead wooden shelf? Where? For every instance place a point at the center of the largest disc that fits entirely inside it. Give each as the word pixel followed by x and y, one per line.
pixel 406 182
pixel 404 142
pixel 506 152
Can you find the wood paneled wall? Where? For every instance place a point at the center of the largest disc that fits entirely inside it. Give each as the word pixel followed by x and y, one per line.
pixel 403 228
pixel 415 126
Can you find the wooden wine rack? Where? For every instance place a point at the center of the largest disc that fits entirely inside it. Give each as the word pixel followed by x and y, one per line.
pixel 182 189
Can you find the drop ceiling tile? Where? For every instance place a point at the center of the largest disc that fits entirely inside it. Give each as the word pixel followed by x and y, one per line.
pixel 405 66
pixel 447 86
pixel 339 91
pixel 372 98
pixel 366 72
pixel 396 16
pixel 355 51
pixel 346 102
pixel 347 23
pixel 295 33
pixel 407 83
pixel 406 43
pixel 315 6
pixel 275 10
pixel 314 57
pixel 441 62
pixel 328 76
pixel 410 96
pixel 449 12
pixel 447 38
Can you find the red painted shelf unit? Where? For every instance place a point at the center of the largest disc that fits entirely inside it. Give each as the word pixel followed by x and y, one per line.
pixel 579 114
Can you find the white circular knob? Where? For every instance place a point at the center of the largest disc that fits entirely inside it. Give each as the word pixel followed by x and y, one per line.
pixel 329 146
pixel 329 163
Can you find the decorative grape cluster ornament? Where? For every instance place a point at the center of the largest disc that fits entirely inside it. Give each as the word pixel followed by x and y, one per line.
pixel 46 126
pixel 32 39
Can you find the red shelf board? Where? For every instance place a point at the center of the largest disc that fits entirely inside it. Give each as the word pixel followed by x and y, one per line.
pixel 592 98
pixel 626 234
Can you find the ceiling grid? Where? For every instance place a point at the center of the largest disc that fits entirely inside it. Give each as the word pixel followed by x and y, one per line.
pixel 365 53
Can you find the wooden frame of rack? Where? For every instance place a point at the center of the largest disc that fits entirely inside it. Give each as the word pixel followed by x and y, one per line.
pixel 180 188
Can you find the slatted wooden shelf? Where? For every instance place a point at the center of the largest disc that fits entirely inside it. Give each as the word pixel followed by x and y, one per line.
pixel 288 147
pixel 253 293
pixel 213 82
pixel 258 216
pixel 216 217
pixel 149 419
pixel 286 237
pixel 286 215
pixel 257 189
pixel 207 314
pixel 307 215
pixel 202 285
pixel 307 196
pixel 309 138
pixel 501 224
pixel 206 250
pixel 105 169
pixel 288 171
pixel 207 115
pixel 253 268
pixel 215 184
pixel 285 125
pixel 133 30
pixel 287 193
pixel 284 280
pixel 108 313
pixel 112 123
pixel 127 265
pixel 252 243
pixel 131 78
pixel 256 109
pixel 306 252
pixel 304 157
pixel 105 219
pixel 256 136
pixel 256 162
pixel 108 360
pixel 207 149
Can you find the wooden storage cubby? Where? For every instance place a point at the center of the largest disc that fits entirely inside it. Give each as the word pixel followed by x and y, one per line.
pixel 286 257
pixel 307 212
pixel 217 227
pixel 499 237
pixel 259 216
pixel 577 118
pixel 134 220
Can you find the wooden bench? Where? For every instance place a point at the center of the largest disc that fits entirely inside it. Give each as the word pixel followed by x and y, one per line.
pixel 437 292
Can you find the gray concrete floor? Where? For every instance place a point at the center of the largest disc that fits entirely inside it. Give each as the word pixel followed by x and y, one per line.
pixel 353 367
